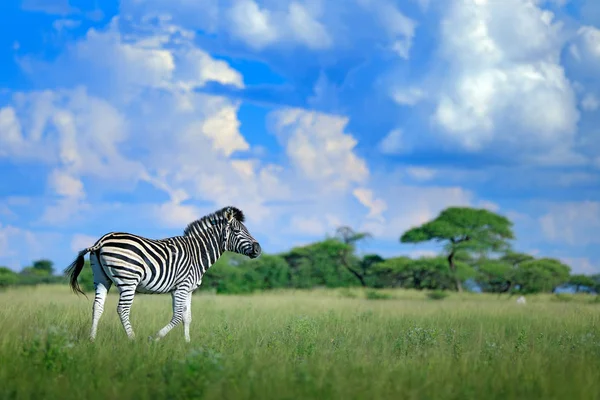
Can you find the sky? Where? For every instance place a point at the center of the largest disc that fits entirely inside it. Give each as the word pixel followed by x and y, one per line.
pixel 144 115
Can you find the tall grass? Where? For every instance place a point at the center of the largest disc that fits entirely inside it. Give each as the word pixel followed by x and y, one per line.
pixel 324 344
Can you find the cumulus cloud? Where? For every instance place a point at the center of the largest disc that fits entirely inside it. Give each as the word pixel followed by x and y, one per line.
pixel 421 173
pixel 142 119
pixel 408 96
pixel 410 206
pixel 392 143
pixel 574 223
pixel 367 198
pixel 399 28
pixel 81 241
pixel 319 148
pixel 505 85
pixel 260 27
pixel 581 265
pixel 19 246
pixel 590 102
pixel 585 48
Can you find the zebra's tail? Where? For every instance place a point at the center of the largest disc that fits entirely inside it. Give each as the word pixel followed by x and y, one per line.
pixel 75 268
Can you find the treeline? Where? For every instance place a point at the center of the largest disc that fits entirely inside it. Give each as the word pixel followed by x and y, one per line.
pixel 476 253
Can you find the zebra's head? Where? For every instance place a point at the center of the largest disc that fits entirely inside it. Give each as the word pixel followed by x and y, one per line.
pixel 237 238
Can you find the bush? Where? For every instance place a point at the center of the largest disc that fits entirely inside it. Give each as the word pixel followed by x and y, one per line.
pixel 376 295
pixel 437 295
pixel 8 277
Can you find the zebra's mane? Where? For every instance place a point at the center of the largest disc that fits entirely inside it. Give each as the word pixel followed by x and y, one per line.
pixel 214 218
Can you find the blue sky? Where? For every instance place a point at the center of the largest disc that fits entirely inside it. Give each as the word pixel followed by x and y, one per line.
pixel 142 116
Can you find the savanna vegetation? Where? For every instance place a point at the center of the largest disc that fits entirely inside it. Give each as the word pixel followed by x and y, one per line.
pixel 322 321
pixel 476 252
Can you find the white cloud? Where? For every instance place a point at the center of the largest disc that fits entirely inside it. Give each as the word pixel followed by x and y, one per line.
pixel 314 226
pixel 252 24
pixel 260 27
pixel 11 138
pixel 66 185
pixel 81 241
pixel 581 265
pixel 65 24
pixel 408 96
pixel 418 253
pixel 306 29
pixel 410 206
pixel 163 57
pixel 585 48
pixel 505 76
pixel 367 198
pixel 399 28
pixel 590 102
pixel 488 205
pixel 573 223
pixel 19 247
pixel 175 215
pixel 62 127
pixel 319 149
pixel 392 143
pixel 421 173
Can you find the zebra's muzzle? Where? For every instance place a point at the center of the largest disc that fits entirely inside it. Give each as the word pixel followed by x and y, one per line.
pixel 256 250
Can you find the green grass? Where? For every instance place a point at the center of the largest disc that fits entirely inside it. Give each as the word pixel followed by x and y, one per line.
pixel 320 344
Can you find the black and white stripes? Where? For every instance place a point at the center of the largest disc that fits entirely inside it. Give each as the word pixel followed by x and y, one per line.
pixel 173 265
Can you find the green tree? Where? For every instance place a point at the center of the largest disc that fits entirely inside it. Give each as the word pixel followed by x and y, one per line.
pixel 229 276
pixel 581 281
pixel 8 277
pixel 44 265
pixel 464 229
pixel 272 271
pixel 495 276
pixel 596 279
pixel 498 275
pixel 321 264
pixel 541 275
pixel 390 273
pixel 350 237
pixel 421 273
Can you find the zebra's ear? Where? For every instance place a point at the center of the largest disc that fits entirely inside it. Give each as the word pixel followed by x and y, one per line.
pixel 229 214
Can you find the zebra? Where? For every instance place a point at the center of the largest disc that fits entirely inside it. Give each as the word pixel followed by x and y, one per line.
pixel 172 265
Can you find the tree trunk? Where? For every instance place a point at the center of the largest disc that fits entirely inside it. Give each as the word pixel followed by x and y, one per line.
pixel 508 287
pixel 356 274
pixel 453 269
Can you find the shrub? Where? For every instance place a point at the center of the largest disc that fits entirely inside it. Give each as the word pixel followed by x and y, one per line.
pixel 437 295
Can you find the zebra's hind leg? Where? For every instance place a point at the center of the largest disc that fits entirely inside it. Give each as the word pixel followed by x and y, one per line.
pixel 179 297
pixel 124 307
pixel 102 284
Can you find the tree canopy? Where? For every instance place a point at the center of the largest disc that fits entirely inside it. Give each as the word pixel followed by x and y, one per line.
pixel 464 229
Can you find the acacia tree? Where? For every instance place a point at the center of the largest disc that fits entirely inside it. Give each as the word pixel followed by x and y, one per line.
pixel 581 281
pixel 464 229
pixel 541 275
pixel 499 275
pixel 350 237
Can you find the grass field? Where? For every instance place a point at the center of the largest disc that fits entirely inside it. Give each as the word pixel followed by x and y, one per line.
pixel 321 344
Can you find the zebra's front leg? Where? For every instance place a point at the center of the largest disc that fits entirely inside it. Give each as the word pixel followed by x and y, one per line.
pixel 179 301
pixel 187 317
pixel 124 307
